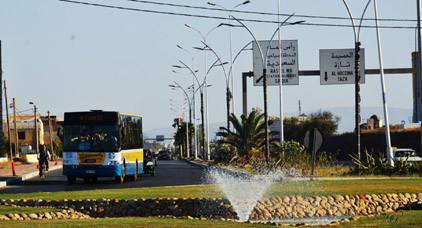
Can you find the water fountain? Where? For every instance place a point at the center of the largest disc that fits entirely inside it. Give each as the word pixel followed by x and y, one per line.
pixel 242 190
pixel 245 190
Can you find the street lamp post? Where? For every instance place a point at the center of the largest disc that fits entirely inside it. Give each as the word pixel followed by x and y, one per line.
pixel 357 84
pixel 200 88
pixel 264 73
pixel 387 124
pixel 194 98
pixel 228 93
pixel 177 86
pixel 204 38
pixel 229 14
pixel 35 125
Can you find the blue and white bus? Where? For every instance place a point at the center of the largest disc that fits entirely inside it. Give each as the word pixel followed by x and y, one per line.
pixel 102 144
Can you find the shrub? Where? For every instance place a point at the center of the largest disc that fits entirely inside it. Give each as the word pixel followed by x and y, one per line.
pixel 294 157
pixel 222 152
pixel 369 165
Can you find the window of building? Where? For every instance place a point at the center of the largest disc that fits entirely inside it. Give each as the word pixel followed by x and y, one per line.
pixel 21 135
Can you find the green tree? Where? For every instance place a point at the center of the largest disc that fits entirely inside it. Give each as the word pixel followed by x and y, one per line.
pixel 295 127
pixel 180 136
pixel 248 135
pixel 6 146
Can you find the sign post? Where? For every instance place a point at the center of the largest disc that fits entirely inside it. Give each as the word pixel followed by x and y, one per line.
pixel 313 141
pixel 337 66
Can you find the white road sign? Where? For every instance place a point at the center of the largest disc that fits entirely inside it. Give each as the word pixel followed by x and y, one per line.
pixel 289 62
pixel 337 66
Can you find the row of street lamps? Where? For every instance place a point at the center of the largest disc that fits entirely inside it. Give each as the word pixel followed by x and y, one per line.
pixel 204 84
pixel 230 75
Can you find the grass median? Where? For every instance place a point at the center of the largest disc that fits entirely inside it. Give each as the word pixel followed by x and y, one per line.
pixel 409 219
pixel 303 188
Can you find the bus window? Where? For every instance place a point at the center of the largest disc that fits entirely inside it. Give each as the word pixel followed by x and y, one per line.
pixel 105 138
pixel 78 137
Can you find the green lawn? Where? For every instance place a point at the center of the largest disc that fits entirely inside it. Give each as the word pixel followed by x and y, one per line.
pixel 346 187
pixel 343 187
pixel 305 188
pixel 406 219
pixel 390 220
pixel 127 222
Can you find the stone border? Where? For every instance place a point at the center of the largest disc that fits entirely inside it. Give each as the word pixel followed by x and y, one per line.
pixel 65 214
pixel 290 207
pixel 211 208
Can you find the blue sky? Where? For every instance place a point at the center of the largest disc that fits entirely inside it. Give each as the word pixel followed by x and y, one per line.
pixel 73 57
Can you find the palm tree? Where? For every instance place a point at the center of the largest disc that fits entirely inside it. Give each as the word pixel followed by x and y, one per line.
pixel 248 135
pixel 180 136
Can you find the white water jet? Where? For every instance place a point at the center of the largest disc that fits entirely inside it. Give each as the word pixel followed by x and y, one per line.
pixel 242 190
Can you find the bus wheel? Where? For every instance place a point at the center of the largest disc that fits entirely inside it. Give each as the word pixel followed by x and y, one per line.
pixel 121 179
pixel 71 179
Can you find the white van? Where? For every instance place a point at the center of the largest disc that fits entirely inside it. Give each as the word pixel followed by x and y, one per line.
pixel 406 153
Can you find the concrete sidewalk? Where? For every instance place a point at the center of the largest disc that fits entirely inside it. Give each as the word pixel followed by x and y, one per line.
pixel 23 171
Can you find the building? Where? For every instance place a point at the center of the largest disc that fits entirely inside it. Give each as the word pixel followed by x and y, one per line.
pixel 374 122
pixel 25 125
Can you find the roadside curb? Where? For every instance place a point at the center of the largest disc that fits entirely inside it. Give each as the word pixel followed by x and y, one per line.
pixel 195 164
pixel 26 176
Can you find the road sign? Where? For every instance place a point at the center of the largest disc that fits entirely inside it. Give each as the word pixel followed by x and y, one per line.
pixel 289 62
pixel 159 138
pixel 313 139
pixel 337 66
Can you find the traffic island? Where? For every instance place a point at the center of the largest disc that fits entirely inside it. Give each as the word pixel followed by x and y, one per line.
pixel 268 211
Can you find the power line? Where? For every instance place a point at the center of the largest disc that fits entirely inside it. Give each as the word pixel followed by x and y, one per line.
pixel 270 14
pixel 223 18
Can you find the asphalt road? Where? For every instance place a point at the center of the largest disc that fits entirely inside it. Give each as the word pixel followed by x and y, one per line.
pixel 167 173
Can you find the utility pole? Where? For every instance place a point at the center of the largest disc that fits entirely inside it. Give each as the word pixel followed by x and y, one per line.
pixel 357 95
pixel 419 57
pixel 1 102
pixel 16 128
pixel 36 129
pixel 245 76
pixel 8 123
pixel 51 135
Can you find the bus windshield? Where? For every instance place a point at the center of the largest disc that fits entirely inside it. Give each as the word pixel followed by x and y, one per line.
pixel 99 138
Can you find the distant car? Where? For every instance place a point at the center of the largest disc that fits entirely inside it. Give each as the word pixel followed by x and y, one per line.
pixel 164 155
pixel 406 153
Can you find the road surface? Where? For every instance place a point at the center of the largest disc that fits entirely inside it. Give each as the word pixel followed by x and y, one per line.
pixel 167 173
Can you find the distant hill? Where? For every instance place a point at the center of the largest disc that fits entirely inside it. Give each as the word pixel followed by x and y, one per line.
pixel 347 121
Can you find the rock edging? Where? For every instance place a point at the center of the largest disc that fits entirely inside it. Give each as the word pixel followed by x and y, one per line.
pixel 291 207
pixel 276 208
pixel 64 214
pixel 211 208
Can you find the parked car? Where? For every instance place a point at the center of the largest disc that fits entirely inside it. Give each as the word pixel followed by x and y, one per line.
pixel 149 162
pixel 164 155
pixel 406 153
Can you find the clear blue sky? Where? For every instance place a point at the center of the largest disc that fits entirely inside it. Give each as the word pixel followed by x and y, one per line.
pixel 72 57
